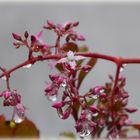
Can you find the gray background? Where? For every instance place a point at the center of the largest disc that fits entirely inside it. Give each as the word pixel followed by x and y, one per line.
pixel 110 28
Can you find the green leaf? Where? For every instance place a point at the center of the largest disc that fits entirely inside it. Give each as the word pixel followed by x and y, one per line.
pixel 83 74
pixel 26 129
pixel 67 135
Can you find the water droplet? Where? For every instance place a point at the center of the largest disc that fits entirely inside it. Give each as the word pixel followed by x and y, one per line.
pixel 27 66
pixel 101 91
pixel 18 118
pixel 52 98
pixel 60 113
pixel 89 116
pixel 121 69
pixel 63 84
pixel 84 132
pixel 4 78
pixel 124 65
pixel 95 96
pixel 95 114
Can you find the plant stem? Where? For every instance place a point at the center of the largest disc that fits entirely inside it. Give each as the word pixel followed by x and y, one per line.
pixel 116 60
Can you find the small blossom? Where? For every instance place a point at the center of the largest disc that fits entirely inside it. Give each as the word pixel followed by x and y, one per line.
pixel 11 98
pixel 38 45
pixel 51 89
pixel 70 59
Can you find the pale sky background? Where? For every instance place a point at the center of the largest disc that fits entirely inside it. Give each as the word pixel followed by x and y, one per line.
pixel 110 28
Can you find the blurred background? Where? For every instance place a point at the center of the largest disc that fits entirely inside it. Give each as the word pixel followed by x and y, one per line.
pixel 109 28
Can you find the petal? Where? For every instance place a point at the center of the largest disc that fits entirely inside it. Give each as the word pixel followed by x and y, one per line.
pixel 52 64
pixel 39 35
pixel 79 57
pixel 70 56
pixel 72 64
pixel 62 60
pixel 66 114
pixel 58 105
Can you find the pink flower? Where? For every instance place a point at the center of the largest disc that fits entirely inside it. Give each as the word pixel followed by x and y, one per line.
pixel 71 59
pixel 11 98
pixel 37 39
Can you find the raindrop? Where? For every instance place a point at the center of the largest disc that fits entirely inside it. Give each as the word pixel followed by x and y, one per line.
pixel 4 78
pixel 95 96
pixel 63 84
pixel 18 118
pixel 89 116
pixel 84 132
pixel 95 114
pixel 52 98
pixel 102 91
pixel 124 65
pixel 122 68
pixel 27 66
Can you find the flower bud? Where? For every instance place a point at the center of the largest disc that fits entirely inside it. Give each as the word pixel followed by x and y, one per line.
pixel 17 37
pixel 58 105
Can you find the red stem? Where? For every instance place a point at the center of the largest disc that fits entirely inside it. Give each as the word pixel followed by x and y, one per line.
pixel 116 60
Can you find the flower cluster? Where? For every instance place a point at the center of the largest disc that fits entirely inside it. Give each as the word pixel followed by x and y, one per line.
pixel 101 107
pixel 12 98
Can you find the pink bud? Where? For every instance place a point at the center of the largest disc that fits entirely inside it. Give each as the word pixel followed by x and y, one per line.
pixel 98 89
pixel 53 77
pixel 130 110
pixel 66 113
pixel 81 38
pixel 103 95
pixel 58 105
pixel 26 34
pixel 93 109
pixel 33 39
pixel 6 94
pixel 17 37
pixel 125 95
pixel 86 68
pixel 50 23
pixel 76 23
pixel 67 25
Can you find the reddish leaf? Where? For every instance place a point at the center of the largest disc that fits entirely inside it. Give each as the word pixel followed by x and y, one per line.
pixel 70 47
pixel 136 126
pixel 83 74
pixel 25 129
